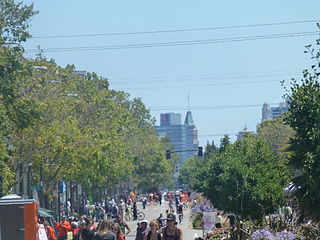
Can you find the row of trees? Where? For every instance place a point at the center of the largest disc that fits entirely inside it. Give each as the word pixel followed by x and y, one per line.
pixel 246 177
pixel 58 125
pixel 249 177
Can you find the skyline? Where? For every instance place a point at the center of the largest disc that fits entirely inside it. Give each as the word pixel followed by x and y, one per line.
pixel 222 61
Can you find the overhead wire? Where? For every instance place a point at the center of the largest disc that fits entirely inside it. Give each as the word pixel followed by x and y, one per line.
pixel 202 76
pixel 224 77
pixel 177 30
pixel 203 85
pixel 182 108
pixel 175 43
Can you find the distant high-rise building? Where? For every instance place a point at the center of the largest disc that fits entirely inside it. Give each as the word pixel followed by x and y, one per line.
pixel 269 113
pixel 182 136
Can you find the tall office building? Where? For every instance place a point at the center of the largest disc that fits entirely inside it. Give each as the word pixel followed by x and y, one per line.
pixel 269 113
pixel 182 136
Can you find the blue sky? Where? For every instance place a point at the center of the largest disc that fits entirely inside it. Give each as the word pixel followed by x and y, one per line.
pixel 227 81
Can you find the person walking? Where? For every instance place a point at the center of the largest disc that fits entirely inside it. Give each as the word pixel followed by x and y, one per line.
pixel 87 233
pixel 104 231
pixel 142 229
pixel 115 228
pixel 218 220
pixel 123 226
pixel 135 211
pixel 153 234
pixel 171 231
pixel 63 227
pixel 49 231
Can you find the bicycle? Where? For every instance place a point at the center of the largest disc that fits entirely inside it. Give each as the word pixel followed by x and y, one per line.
pixel 129 215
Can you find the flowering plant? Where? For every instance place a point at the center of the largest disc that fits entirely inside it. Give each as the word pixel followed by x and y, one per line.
pixel 284 235
pixel 262 235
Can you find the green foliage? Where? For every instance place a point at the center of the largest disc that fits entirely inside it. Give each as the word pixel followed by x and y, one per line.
pixel 277 133
pixel 304 150
pixel 151 168
pixel 14 21
pixel 246 178
pixel 70 127
pixel 194 170
pixel 197 220
pixel 75 128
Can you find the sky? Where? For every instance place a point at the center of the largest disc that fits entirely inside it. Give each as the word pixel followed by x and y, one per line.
pixel 220 59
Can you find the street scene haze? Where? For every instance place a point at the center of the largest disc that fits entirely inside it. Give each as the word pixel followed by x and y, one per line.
pixel 163 120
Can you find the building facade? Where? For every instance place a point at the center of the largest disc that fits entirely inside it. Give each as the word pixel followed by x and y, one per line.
pixel 269 113
pixel 183 137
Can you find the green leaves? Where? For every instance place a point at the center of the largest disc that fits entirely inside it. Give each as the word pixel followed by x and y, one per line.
pixel 304 118
pixel 14 19
pixel 246 177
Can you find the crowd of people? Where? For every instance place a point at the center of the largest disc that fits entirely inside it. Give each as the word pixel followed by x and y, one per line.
pixel 107 221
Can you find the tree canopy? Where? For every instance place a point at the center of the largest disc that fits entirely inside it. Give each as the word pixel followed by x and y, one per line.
pixel 304 149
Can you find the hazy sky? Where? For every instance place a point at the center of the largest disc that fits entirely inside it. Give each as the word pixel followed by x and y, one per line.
pixel 162 51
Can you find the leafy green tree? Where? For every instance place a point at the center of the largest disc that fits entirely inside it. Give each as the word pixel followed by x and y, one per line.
pixel 151 168
pixel 16 112
pixel 14 21
pixel 276 132
pixel 247 179
pixel 195 169
pixel 304 150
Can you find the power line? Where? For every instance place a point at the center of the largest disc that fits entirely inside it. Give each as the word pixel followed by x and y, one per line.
pixel 208 107
pixel 176 43
pixel 176 30
pixel 201 76
pixel 203 85
pixel 221 77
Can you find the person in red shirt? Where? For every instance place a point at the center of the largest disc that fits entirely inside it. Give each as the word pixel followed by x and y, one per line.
pixel 63 228
pixel 49 231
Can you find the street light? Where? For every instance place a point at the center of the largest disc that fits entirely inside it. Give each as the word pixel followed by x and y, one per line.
pixel 40 67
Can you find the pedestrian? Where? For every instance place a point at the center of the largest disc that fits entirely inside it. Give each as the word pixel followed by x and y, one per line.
pixel 160 220
pixel 218 220
pixel 180 212
pixel 127 215
pixel 115 228
pixel 63 227
pixel 170 205
pixel 153 234
pixel 114 211
pixel 121 208
pixel 104 231
pixel 160 199
pixel 135 211
pixel 171 231
pixel 78 234
pixel 142 229
pixel 49 231
pixel 87 233
pixel 97 212
pixel 123 226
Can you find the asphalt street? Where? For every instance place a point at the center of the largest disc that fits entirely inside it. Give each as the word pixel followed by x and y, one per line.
pixel 153 211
